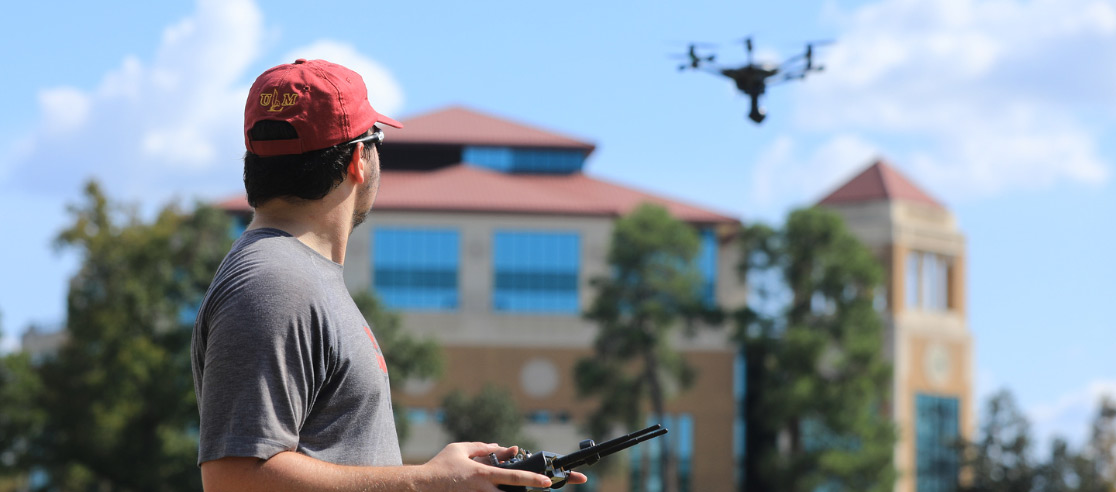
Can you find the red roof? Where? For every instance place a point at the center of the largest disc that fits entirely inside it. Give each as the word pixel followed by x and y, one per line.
pixel 880 182
pixel 465 188
pixel 461 126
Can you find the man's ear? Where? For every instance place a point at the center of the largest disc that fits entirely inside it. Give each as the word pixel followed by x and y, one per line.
pixel 357 163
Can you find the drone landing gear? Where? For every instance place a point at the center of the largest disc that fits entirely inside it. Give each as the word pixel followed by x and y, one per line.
pixel 757 114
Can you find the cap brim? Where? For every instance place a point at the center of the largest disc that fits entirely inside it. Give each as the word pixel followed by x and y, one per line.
pixel 388 121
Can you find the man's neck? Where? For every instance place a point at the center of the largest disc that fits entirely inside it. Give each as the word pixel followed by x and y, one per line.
pixel 323 225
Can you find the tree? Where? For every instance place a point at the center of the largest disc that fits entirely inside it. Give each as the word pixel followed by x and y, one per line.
pixel 490 416
pixel 1068 471
pixel 1001 460
pixel 1101 449
pixel 653 285
pixel 406 356
pixel 1091 469
pixel 118 397
pixel 817 384
pixel 20 418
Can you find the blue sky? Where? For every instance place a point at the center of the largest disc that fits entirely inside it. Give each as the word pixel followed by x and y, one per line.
pixel 1002 109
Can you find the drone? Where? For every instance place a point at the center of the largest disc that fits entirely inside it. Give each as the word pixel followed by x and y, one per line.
pixel 753 79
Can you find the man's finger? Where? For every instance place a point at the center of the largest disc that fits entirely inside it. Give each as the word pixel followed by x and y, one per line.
pixel 474 449
pixel 576 477
pixel 507 453
pixel 504 476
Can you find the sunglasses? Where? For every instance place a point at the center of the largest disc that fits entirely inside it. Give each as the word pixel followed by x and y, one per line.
pixel 376 137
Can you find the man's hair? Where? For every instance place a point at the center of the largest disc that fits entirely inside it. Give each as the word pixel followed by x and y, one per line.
pixel 309 176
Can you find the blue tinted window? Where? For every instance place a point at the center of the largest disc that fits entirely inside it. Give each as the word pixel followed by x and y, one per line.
pixel 739 426
pixel 238 226
pixel 936 428
pixel 416 269
pixel 685 442
pixel 525 160
pixel 539 417
pixel 649 454
pixel 418 416
pixel 707 264
pixel 535 272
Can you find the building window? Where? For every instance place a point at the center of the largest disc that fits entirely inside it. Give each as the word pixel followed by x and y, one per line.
pixel 649 454
pixel 238 225
pixel 416 269
pixel 707 264
pixel 525 160
pixel 936 440
pixel 539 417
pixel 535 272
pixel 927 281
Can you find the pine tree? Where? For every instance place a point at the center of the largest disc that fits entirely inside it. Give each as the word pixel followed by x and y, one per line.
pixel 817 385
pixel 20 418
pixel 1001 460
pixel 653 285
pixel 1097 463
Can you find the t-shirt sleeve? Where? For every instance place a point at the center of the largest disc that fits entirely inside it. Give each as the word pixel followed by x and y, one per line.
pixel 261 374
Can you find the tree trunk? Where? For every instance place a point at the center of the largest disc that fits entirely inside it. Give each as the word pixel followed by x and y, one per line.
pixel 759 441
pixel 667 469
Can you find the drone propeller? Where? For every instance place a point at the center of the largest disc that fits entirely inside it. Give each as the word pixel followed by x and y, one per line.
pixel 808 57
pixel 695 59
pixel 785 78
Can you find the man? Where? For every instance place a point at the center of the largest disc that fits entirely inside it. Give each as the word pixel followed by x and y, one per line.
pixel 291 388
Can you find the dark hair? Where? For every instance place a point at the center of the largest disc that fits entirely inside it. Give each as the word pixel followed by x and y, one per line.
pixel 310 176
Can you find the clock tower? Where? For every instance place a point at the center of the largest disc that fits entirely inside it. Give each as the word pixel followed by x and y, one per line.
pixel 926 333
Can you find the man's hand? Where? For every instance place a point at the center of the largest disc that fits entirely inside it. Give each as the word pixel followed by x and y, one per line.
pixel 461 464
pixel 468 462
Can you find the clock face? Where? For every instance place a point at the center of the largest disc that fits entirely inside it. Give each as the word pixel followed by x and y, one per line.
pixel 937 363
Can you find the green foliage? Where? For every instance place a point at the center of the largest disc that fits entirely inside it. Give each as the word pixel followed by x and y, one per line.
pixel 406 356
pixel 653 287
pixel 1101 449
pixel 490 416
pixel 813 346
pixel 20 418
pixel 117 399
pixel 1002 459
pixel 1069 471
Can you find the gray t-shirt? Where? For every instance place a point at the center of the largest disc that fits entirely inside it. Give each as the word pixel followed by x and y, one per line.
pixel 284 361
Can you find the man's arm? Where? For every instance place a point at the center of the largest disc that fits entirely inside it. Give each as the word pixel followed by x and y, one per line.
pixel 453 469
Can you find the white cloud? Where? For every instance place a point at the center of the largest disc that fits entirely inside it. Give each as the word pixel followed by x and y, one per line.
pixel 787 168
pixel 171 125
pixel 64 110
pixel 990 91
pixel 151 128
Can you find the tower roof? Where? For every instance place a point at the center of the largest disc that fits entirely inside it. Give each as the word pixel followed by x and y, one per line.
pixel 457 125
pixel 879 182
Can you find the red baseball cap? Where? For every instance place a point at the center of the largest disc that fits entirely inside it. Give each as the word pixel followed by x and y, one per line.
pixel 325 102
